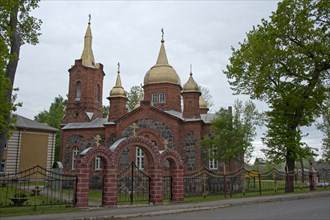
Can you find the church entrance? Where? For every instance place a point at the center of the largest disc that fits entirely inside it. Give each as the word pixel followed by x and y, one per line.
pixel 133 186
pixel 140 181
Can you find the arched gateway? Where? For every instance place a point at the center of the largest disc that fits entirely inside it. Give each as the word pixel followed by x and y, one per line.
pixel 110 158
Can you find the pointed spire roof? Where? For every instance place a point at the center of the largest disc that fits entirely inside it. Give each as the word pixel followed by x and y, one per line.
pixel 162 58
pixel 191 85
pixel 162 72
pixel 87 55
pixel 118 89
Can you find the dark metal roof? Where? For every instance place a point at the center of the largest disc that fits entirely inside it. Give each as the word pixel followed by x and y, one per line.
pixel 97 123
pixel 25 123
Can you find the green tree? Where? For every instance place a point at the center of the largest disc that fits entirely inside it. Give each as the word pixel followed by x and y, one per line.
pixel 17 27
pixel 325 128
pixel 232 133
pixel 285 62
pixel 53 117
pixel 206 96
pixel 133 97
pixel 105 110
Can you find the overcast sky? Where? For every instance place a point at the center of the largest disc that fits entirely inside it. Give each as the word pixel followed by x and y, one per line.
pixel 200 33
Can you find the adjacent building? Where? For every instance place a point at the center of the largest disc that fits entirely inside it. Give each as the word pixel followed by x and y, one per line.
pixel 31 144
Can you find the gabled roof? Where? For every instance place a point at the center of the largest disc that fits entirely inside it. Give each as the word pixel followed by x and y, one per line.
pixel 97 123
pixel 206 118
pixel 28 124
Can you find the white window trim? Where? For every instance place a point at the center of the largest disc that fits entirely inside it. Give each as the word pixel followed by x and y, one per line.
pixel 163 100
pixel 139 158
pixel 98 163
pixel 154 98
pixel 213 163
pixel 75 152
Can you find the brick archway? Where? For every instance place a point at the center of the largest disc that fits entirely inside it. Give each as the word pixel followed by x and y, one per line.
pixel 83 174
pixel 153 155
pixel 111 157
pixel 176 172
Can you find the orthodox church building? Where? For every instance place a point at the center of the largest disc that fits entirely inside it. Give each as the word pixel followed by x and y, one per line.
pixel 170 114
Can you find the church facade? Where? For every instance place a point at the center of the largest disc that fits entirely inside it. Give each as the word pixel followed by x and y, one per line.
pixel 170 115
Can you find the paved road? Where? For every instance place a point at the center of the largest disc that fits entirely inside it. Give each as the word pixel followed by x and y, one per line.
pixel 310 208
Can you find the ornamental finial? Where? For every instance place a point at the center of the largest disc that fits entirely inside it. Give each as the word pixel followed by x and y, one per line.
pixel 162 35
pixel 89 18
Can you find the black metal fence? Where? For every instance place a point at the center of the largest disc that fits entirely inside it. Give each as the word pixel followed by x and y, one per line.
pixel 207 183
pixel 37 186
pixel 133 186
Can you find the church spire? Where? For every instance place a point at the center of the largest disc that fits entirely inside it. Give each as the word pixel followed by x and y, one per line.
pixel 118 90
pixel 87 55
pixel 162 58
pixel 118 80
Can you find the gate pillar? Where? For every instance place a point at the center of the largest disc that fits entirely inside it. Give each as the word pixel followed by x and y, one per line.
pixel 82 189
pixel 156 185
pixel 177 184
pixel 110 188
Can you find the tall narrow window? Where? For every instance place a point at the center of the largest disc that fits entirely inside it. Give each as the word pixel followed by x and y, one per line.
pixel 97 163
pixel 75 152
pixel 98 93
pixel 162 98
pixel 213 163
pixel 78 91
pixel 139 158
pixel 154 99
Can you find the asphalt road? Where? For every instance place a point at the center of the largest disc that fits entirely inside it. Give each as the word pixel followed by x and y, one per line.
pixel 310 208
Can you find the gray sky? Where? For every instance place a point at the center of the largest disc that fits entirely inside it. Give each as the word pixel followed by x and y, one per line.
pixel 200 33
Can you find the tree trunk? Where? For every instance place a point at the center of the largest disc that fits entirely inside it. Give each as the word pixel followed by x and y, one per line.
pixel 15 46
pixel 290 166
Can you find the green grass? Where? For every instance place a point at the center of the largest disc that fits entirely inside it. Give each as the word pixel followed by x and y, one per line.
pixel 35 210
pixel 96 195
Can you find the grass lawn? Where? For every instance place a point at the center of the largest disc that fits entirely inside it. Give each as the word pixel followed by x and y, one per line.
pixel 96 195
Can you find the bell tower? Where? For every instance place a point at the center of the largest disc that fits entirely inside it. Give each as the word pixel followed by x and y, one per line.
pixel 85 86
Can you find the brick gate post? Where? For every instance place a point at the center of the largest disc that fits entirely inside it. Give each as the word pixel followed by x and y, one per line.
pixel 110 188
pixel 177 184
pixel 156 185
pixel 312 179
pixel 82 172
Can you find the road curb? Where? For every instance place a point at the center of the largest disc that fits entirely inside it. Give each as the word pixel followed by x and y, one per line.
pixel 233 202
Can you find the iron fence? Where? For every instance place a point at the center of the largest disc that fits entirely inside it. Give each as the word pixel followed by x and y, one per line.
pixel 37 186
pixel 207 182
pixel 133 186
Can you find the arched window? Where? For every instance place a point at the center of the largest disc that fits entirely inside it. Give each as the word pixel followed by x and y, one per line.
pixel 139 158
pixel 98 93
pixel 162 98
pixel 154 99
pixel 75 152
pixel 78 91
pixel 213 163
pixel 97 163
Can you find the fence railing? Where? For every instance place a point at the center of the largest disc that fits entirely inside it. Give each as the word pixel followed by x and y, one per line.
pixel 36 186
pixel 206 182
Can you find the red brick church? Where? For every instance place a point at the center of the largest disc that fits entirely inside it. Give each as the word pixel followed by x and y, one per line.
pixel 170 115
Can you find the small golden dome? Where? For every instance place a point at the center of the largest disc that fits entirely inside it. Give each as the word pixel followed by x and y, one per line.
pixel 118 90
pixel 191 85
pixel 202 102
pixel 162 72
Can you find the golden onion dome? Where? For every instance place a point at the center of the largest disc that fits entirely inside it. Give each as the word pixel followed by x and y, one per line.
pixel 162 72
pixel 118 90
pixel 191 85
pixel 202 102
